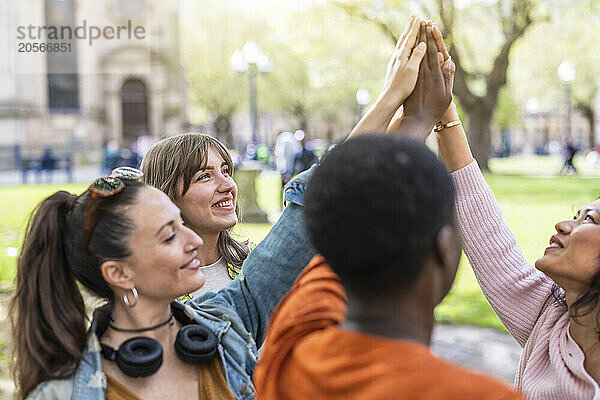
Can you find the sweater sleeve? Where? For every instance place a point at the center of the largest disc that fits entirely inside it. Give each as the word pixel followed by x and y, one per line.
pixel 515 290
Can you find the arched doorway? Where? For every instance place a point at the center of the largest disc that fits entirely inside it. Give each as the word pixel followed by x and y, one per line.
pixel 134 107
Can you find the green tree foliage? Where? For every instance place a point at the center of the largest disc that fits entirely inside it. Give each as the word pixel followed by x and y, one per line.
pixel 208 41
pixel 320 56
pixel 507 113
pixel 479 36
pixel 570 35
pixel 324 51
pixel 331 58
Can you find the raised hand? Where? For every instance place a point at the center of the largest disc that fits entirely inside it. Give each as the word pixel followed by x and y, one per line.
pixel 400 80
pixel 433 92
pixel 446 65
pixel 403 66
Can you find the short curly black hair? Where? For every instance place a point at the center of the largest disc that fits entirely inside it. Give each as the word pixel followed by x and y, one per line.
pixel 373 208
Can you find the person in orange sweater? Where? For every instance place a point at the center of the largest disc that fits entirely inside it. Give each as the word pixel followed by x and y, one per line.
pixel 380 211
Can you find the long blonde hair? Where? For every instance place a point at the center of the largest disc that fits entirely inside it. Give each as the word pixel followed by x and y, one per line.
pixel 180 157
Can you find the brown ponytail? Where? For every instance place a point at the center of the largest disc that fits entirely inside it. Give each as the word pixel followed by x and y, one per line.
pixel 47 312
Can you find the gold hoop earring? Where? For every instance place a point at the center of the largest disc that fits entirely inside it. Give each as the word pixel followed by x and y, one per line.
pixel 135 298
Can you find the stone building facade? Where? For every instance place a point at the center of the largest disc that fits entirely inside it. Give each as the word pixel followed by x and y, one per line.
pixel 107 81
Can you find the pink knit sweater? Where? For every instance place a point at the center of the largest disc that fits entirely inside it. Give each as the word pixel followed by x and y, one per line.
pixel 551 365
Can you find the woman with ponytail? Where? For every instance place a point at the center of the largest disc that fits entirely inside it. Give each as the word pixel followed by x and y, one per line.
pixel 125 243
pixel 51 335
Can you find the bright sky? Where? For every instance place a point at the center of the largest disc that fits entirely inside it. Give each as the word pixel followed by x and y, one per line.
pixel 188 6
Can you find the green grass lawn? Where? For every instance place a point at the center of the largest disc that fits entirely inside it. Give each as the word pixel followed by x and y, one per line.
pixel 531 206
pixel 541 166
pixel 17 202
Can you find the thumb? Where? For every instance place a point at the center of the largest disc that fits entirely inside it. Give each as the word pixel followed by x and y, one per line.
pixel 417 55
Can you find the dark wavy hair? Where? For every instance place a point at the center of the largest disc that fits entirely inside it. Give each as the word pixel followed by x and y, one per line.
pixel 585 304
pixel 178 158
pixel 47 312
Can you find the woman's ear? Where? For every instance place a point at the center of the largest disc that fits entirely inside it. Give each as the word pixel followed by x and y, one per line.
pixel 117 274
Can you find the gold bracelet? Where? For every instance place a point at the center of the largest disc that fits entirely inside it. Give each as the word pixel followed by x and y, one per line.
pixel 440 127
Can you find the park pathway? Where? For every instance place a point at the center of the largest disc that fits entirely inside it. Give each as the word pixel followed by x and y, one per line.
pixel 81 174
pixel 482 349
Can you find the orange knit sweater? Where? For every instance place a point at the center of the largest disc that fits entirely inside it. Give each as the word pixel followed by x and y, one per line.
pixel 307 356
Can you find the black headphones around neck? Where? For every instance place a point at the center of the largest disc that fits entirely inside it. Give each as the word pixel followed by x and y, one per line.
pixel 142 356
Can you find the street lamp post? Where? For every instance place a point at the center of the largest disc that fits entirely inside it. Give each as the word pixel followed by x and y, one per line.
pixel 363 97
pixel 566 73
pixel 252 72
pixel 251 59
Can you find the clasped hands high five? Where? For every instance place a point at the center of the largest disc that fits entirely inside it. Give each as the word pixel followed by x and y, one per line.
pixel 419 78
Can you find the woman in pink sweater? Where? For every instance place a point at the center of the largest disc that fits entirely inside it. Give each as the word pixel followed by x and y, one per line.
pixel 554 315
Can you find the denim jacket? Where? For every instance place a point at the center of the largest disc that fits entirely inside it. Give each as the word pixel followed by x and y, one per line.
pixel 238 314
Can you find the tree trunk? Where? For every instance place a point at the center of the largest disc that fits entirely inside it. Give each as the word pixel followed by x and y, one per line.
pixel 329 134
pixel 222 126
pixel 588 113
pixel 515 18
pixel 299 113
pixel 590 119
pixel 592 133
pixel 479 134
pixel 304 123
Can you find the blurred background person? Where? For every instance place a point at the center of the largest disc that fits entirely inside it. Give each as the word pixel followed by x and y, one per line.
pixel 306 157
pixel 286 148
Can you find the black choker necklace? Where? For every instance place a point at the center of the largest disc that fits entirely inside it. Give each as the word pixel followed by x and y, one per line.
pixel 142 356
pixel 138 330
